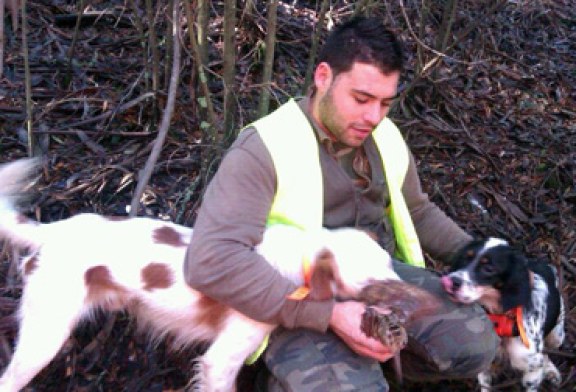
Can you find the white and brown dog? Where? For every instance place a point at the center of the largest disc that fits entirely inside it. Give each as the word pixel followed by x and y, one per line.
pixel 88 262
pixel 522 299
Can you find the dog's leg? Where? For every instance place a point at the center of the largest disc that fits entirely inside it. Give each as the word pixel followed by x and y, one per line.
pixel 39 341
pixel 554 340
pixel 529 361
pixel 218 368
pixel 485 380
pixel 551 372
pixel 46 321
pixel 534 374
pixel 556 337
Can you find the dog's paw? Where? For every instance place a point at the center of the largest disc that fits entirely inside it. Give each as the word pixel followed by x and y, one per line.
pixel 553 375
pixel 386 327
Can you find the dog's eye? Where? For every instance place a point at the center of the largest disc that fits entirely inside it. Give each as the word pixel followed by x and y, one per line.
pixel 488 268
pixel 470 254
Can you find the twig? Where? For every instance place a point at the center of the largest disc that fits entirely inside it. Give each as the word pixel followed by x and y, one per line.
pixel 2 5
pixel 91 144
pixel 32 148
pixel 440 55
pixel 421 43
pixel 73 131
pixel 105 115
pixel 124 97
pixel 74 40
pixel 166 117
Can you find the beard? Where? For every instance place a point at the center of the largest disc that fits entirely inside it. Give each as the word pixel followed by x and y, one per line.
pixel 329 116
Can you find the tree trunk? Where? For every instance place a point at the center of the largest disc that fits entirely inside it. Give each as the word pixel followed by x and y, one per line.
pixel 207 122
pixel 264 103
pixel 314 47
pixel 202 19
pixel 153 44
pixel 229 71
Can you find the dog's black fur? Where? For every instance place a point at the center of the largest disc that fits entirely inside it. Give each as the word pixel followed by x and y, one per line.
pixel 500 278
pixel 507 270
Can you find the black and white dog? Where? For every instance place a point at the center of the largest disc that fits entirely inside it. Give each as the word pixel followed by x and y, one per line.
pixel 522 299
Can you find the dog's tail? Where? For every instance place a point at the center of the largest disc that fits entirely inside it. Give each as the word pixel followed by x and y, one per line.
pixel 15 178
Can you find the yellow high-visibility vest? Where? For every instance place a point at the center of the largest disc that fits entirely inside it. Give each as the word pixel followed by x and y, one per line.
pixel 291 141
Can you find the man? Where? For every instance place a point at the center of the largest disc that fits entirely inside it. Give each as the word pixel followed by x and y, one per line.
pixel 319 161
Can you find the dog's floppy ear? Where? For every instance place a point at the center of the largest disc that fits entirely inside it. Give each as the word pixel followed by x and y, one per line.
pixel 324 276
pixel 516 287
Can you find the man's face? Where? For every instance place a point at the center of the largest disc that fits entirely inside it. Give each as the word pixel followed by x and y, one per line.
pixel 350 105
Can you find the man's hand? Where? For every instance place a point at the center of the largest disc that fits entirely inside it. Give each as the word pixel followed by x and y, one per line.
pixel 345 322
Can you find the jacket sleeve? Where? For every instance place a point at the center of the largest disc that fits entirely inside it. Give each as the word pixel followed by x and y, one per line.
pixel 439 235
pixel 221 261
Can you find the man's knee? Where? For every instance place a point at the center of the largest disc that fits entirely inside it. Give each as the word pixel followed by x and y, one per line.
pixel 457 341
pixel 457 344
pixel 302 360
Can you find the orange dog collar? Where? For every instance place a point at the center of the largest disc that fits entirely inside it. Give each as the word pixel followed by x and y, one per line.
pixel 510 324
pixel 302 292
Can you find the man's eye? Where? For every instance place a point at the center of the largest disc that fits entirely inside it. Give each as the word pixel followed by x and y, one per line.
pixel 361 100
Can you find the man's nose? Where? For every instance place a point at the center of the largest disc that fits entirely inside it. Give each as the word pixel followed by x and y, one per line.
pixel 374 114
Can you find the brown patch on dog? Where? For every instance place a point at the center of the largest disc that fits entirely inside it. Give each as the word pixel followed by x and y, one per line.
pixel 99 276
pixel 30 265
pixel 24 220
pixel 167 235
pixel 371 234
pixel 101 287
pixel 324 272
pixel 412 301
pixel 211 313
pixel 156 276
pixel 491 299
pixel 116 218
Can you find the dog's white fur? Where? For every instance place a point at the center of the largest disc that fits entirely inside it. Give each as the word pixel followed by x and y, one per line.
pixel 534 364
pixel 89 262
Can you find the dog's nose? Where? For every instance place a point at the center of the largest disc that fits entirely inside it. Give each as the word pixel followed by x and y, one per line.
pixel 456 283
pixel 451 283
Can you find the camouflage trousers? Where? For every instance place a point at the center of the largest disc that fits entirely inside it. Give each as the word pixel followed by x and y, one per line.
pixel 454 343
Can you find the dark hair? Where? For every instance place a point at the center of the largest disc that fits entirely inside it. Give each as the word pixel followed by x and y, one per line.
pixel 363 40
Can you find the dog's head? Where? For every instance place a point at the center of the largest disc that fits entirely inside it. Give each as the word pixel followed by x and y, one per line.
pixel 491 273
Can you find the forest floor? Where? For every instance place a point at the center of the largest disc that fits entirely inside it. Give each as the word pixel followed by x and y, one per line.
pixel 492 126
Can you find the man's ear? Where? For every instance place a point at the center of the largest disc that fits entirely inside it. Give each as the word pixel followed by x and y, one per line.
pixel 323 77
pixel 324 272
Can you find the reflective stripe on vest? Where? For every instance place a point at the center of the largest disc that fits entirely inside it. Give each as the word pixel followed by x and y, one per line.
pixel 395 160
pixel 292 144
pixel 290 139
